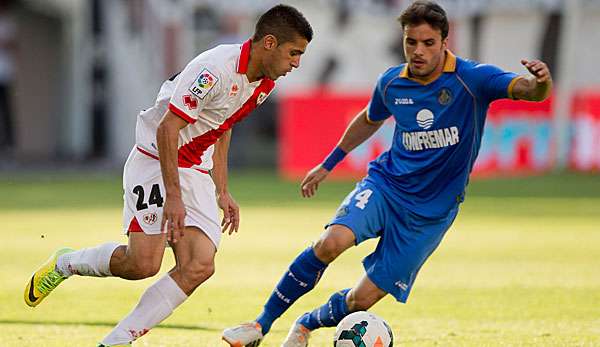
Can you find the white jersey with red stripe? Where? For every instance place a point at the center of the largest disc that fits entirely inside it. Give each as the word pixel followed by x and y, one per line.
pixel 211 93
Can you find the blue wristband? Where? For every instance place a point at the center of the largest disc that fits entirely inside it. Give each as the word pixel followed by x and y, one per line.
pixel 333 158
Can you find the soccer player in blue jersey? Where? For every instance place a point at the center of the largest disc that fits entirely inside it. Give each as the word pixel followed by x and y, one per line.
pixel 412 192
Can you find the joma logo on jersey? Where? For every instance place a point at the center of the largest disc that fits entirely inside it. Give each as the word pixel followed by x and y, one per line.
pixel 439 138
pixel 403 101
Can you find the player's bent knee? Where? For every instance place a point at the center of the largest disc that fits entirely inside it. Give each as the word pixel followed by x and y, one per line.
pixel 141 271
pixel 326 250
pixel 197 272
pixel 333 243
pixel 137 274
pixel 356 303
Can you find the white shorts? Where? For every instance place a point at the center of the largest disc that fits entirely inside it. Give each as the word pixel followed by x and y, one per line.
pixel 144 194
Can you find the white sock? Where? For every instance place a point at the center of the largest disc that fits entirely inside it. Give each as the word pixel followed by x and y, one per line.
pixel 156 304
pixel 93 261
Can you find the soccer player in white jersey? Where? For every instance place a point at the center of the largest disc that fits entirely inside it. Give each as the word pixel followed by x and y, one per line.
pixel 170 196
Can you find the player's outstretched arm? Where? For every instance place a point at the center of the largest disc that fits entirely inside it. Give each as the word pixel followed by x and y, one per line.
pixel 231 210
pixel 535 87
pixel 357 132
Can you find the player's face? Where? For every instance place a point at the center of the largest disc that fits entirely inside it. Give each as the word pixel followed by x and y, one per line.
pixel 424 50
pixel 282 58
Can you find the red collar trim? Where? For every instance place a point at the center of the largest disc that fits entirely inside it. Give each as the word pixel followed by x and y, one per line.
pixel 242 65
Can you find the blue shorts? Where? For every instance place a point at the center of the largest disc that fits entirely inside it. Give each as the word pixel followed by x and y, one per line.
pixel 406 239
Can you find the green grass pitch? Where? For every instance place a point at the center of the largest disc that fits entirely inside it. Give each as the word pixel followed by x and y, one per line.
pixel 520 266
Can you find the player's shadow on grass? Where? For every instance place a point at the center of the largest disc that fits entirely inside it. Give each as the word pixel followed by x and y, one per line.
pixel 105 324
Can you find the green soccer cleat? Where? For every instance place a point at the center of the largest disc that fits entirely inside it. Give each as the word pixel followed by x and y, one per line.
pixel 44 280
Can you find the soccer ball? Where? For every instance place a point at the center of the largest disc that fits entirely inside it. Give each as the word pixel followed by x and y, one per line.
pixel 363 329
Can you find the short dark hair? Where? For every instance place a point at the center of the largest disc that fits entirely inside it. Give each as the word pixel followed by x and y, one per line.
pixel 284 22
pixel 423 11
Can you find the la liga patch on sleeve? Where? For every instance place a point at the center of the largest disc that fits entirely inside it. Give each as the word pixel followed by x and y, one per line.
pixel 205 81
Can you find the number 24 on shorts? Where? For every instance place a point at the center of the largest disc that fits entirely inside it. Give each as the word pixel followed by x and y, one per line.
pixel 154 199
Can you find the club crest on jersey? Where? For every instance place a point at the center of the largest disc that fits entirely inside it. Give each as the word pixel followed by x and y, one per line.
pixel 234 90
pixel 205 81
pixel 261 98
pixel 425 118
pixel 342 211
pixel 445 96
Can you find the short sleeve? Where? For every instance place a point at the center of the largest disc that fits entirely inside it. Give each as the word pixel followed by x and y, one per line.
pixel 195 87
pixel 494 83
pixel 377 111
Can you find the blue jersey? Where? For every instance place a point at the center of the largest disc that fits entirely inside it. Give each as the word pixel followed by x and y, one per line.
pixel 437 134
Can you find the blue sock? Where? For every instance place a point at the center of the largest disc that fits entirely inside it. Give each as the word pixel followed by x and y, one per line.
pixel 302 276
pixel 328 315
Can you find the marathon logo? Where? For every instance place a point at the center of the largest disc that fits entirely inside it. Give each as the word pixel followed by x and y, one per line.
pixel 439 138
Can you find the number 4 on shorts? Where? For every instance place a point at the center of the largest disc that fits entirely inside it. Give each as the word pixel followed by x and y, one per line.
pixel 363 198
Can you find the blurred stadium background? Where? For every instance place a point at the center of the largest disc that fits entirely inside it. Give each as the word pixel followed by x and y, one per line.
pixel 84 69
pixel 519 269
